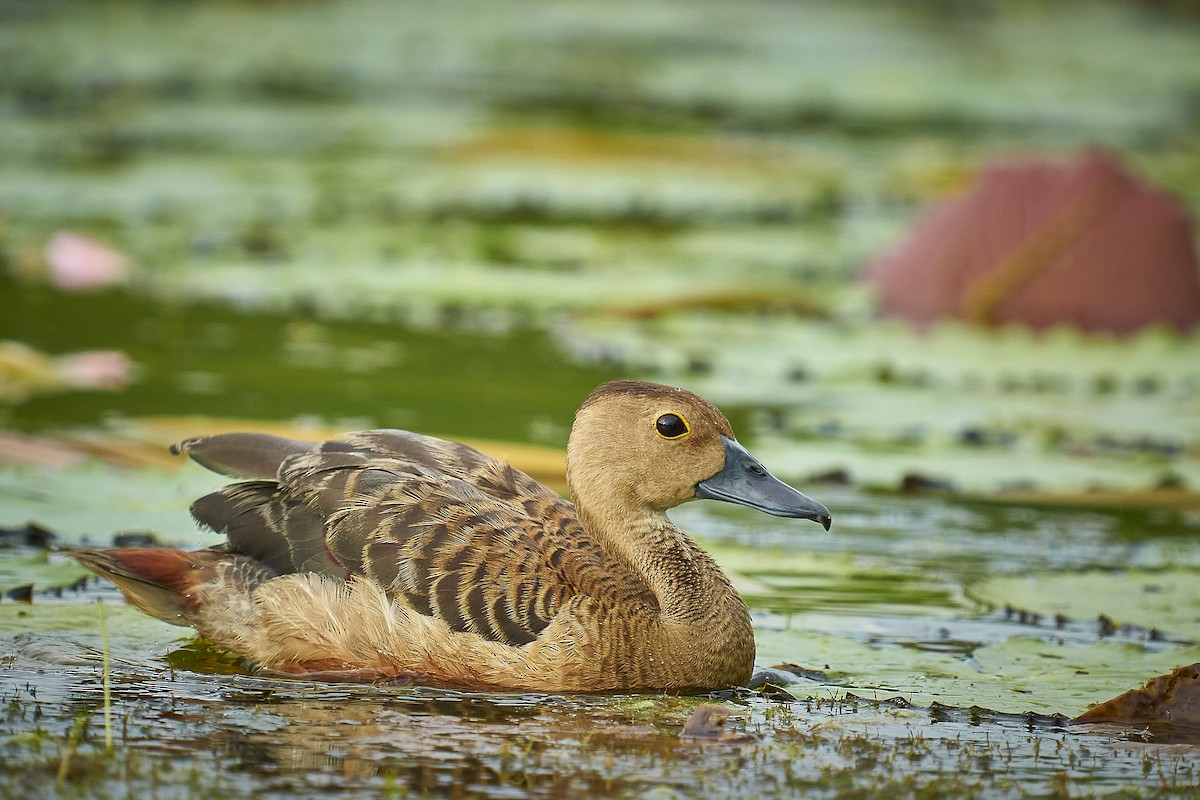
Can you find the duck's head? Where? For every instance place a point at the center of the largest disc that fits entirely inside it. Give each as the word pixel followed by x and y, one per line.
pixel 637 445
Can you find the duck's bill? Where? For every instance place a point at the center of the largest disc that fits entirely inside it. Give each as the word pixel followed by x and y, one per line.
pixel 748 483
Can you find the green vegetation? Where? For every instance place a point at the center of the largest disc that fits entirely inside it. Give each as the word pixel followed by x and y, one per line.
pixel 458 218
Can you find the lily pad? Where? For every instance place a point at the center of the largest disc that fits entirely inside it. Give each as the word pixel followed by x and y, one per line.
pixel 45 635
pixel 1172 698
pixel 1016 675
pixel 42 570
pixel 91 503
pixel 978 410
pixel 1161 600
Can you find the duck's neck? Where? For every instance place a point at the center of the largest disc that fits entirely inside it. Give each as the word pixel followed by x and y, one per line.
pixel 690 587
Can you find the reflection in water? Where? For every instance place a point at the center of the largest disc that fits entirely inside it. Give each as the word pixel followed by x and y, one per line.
pixel 254 737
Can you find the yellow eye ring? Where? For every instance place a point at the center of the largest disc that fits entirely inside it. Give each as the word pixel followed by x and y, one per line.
pixel 671 425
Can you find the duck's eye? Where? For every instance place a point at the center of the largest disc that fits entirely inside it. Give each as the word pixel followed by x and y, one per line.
pixel 671 426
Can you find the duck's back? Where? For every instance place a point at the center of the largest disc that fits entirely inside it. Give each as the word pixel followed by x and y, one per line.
pixel 447 530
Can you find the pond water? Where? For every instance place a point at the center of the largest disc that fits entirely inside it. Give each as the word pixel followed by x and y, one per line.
pixel 932 644
pixel 883 608
pixel 460 218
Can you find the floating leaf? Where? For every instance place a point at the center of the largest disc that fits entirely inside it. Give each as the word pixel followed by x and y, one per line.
pixel 1015 675
pixel 42 570
pixel 1158 600
pixel 1172 698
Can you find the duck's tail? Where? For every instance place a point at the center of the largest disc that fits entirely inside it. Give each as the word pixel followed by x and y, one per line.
pixel 174 585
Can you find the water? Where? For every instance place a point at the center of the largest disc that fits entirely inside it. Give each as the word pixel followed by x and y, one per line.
pixel 210 359
pixel 937 644
pixel 459 219
pixel 192 737
pixel 190 722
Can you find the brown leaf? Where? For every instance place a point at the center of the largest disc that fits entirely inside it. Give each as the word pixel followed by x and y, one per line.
pixel 1173 698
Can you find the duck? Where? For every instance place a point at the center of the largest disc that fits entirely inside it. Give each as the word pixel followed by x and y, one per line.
pixel 389 556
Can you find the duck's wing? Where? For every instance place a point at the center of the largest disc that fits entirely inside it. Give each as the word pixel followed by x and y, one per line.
pixel 261 455
pixel 457 534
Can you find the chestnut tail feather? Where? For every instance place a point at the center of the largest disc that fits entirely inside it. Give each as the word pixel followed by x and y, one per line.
pixel 165 582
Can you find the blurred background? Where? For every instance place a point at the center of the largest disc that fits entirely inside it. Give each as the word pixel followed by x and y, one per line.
pixel 935 259
pixel 873 232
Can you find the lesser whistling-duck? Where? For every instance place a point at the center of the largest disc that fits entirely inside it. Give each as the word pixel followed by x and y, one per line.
pixel 391 555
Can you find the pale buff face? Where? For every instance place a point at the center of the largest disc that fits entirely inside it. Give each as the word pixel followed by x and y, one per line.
pixel 644 445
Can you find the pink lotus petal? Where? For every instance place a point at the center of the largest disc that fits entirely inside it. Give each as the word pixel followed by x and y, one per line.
pixel 96 369
pixel 77 263
pixel 1042 243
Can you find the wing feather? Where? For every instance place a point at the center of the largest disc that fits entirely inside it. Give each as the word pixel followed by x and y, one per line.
pixel 452 532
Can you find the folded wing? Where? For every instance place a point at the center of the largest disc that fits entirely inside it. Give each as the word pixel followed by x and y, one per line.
pixel 451 532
